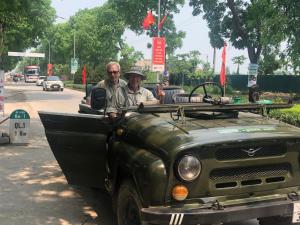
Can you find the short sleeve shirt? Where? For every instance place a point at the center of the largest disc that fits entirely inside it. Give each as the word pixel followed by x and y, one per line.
pixel 142 95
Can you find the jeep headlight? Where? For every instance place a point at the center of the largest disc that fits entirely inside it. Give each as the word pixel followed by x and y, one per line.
pixel 189 168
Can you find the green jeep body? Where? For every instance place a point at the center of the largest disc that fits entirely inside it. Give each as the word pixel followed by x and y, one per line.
pixel 249 163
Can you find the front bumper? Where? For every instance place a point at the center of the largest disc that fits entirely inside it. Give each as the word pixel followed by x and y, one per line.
pixel 182 216
pixel 54 86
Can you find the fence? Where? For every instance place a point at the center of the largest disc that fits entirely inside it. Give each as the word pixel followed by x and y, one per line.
pixel 272 83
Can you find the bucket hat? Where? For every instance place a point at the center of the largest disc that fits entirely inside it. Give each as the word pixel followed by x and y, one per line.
pixel 134 71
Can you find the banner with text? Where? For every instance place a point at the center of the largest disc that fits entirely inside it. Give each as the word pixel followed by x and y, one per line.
pixel 158 54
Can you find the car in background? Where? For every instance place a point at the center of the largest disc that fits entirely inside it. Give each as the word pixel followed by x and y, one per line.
pixel 18 77
pixel 39 82
pixel 53 83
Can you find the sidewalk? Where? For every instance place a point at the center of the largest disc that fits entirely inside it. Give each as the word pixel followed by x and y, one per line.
pixel 33 190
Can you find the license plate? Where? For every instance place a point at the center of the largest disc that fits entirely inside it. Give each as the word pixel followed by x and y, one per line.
pixel 296 213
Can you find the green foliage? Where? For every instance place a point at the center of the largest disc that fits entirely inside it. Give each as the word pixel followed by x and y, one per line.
pixel 241 22
pixel 134 11
pixel 285 21
pixel 98 40
pixel 185 63
pixel 239 60
pixel 128 57
pixel 289 117
pixel 151 77
pixel 190 65
pixel 22 23
pixel 270 62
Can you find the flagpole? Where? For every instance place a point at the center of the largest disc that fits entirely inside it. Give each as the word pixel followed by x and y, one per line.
pixel 158 20
pixel 158 34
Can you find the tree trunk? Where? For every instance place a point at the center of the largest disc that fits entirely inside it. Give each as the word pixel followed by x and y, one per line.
pixel 253 53
pixel 238 70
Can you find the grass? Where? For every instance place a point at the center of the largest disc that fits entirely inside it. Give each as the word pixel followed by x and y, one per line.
pixel 294 109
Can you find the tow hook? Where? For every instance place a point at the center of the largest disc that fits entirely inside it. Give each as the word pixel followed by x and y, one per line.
pixel 217 206
pixel 293 196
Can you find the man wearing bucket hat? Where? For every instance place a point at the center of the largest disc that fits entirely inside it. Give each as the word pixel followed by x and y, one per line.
pixel 135 93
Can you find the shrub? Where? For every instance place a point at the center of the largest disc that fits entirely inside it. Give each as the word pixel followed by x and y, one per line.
pixel 289 117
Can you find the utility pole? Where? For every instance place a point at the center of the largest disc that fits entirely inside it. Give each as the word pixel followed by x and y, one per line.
pixel 74 44
pixel 214 60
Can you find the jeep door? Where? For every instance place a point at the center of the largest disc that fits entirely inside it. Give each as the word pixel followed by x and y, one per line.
pixel 78 142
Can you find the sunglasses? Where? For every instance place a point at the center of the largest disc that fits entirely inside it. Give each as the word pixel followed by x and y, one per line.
pixel 113 72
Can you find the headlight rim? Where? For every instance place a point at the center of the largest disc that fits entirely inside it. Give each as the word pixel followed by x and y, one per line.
pixel 176 168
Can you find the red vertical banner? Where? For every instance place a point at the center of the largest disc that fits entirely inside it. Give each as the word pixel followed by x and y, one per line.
pixel 84 75
pixel 158 54
pixel 49 69
pixel 223 68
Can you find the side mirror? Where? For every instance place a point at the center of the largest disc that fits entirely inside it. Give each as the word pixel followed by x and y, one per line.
pixel 98 98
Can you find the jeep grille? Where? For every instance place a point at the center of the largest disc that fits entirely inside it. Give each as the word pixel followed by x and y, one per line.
pixel 235 153
pixel 245 176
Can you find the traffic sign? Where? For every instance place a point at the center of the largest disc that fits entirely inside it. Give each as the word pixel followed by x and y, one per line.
pixel 19 126
pixel 27 54
pixel 74 65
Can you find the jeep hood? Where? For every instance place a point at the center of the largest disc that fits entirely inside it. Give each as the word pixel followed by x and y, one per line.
pixel 169 136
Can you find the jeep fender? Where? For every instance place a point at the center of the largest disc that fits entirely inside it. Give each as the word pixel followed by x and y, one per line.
pixel 146 170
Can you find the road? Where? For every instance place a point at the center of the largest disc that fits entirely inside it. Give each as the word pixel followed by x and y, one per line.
pixel 33 190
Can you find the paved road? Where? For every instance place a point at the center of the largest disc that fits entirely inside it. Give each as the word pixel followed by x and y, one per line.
pixel 33 190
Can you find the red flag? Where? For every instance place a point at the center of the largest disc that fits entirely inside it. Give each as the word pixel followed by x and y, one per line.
pixel 148 20
pixel 162 22
pixel 84 75
pixel 223 68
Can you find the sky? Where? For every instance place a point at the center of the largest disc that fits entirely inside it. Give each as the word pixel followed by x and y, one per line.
pixel 195 27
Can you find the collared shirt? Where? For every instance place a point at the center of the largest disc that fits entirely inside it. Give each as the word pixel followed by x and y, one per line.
pixel 141 95
pixel 115 94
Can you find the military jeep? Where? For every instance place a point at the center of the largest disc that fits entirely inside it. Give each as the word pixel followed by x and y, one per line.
pixel 208 162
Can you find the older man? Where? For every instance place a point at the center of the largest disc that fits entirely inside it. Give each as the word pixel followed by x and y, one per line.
pixel 114 87
pixel 135 93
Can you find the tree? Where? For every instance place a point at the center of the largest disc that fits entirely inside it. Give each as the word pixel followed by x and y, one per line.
pixel 134 11
pixel 98 41
pixel 185 63
pixel 128 57
pixel 23 23
pixel 239 60
pixel 240 21
pixel 285 21
pixel 270 61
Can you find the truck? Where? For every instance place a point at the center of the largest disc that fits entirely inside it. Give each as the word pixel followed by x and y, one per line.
pixel 31 73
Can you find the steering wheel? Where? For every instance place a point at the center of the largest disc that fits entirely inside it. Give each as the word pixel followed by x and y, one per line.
pixel 207 98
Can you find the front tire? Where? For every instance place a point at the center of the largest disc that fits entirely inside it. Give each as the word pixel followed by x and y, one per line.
pixel 128 205
pixel 276 220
